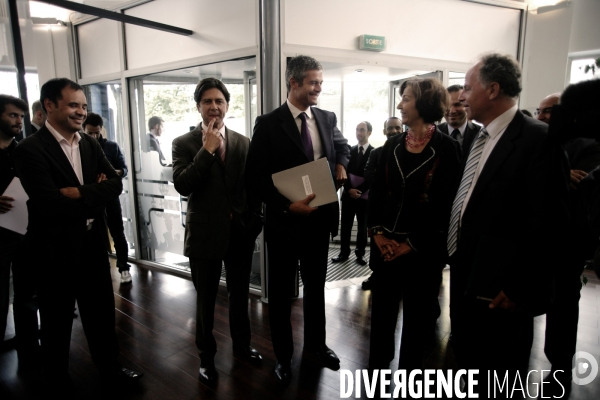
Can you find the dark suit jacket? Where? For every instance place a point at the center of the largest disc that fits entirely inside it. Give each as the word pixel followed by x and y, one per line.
pixel 371 166
pixel 471 131
pixel 276 146
pixel 357 168
pixel 215 191
pixel 114 155
pixel 508 238
pixel 401 202
pixel 153 145
pixel 56 221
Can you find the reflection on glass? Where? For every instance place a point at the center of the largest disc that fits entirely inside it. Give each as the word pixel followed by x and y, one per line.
pixel 105 99
pixel 169 97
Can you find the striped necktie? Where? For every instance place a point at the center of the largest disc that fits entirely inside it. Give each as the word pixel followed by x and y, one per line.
pixel 463 189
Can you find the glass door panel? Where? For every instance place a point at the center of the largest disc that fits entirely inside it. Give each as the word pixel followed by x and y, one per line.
pixel 167 97
pixel 106 99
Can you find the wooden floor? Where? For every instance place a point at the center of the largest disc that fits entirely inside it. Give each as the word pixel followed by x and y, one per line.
pixel 155 319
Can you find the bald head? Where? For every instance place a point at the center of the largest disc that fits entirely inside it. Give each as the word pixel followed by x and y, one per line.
pixel 544 111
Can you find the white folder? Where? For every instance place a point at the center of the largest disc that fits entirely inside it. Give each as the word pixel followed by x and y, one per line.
pixel 299 182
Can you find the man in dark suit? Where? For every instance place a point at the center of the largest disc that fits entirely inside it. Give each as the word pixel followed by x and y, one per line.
pixel 208 168
pixel 499 228
pixel 354 198
pixel 563 315
pixel 287 137
pixel 155 125
pixel 12 112
pixel 69 180
pixel 457 125
pixel 114 215
pixel 38 116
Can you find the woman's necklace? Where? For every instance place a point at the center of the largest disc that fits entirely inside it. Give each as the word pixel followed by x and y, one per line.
pixel 413 142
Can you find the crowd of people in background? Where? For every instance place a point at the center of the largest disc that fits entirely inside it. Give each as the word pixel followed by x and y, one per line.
pixel 493 193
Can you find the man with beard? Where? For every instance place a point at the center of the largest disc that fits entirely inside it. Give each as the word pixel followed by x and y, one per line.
pixel 12 111
pixel 114 215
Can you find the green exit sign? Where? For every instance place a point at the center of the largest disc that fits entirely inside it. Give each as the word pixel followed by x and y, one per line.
pixel 372 43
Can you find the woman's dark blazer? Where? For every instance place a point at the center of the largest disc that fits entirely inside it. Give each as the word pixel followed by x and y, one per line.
pixel 401 203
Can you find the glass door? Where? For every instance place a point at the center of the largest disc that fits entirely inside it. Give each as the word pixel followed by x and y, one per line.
pixel 106 99
pixel 167 99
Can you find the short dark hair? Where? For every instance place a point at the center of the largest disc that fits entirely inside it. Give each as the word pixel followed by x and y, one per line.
pixel 431 98
pixel 454 88
pixel 207 84
pixel 526 112
pixel 153 121
pixel 298 68
pixel 93 119
pixel 369 126
pixel 52 90
pixel 387 119
pixel 36 106
pixel 6 99
pixel 502 69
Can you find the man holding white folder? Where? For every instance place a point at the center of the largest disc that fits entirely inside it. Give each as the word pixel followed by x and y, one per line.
pixel 293 135
pixel 12 112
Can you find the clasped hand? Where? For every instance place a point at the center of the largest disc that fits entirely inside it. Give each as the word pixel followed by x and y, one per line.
pixel 390 249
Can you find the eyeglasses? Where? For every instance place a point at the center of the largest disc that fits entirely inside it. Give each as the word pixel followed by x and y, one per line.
pixel 547 110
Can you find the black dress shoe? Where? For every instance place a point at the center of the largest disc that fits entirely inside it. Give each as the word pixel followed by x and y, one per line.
pixel 248 352
pixel 207 371
pixel 283 372
pixel 122 375
pixel 327 357
pixel 128 375
pixel 367 283
pixel 361 261
pixel 340 258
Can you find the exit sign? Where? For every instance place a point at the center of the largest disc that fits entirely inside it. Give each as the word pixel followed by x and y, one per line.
pixel 372 43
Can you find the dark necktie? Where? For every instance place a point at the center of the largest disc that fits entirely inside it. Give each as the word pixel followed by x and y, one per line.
pixel 306 140
pixel 360 154
pixel 455 134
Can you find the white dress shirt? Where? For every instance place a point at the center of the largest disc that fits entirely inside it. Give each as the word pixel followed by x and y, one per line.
pixel 312 128
pixel 71 150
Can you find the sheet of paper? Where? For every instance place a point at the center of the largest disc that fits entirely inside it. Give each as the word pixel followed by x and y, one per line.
pixel 16 219
pixel 313 177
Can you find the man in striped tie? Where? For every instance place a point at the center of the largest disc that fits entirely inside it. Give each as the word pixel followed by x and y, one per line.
pixel 500 235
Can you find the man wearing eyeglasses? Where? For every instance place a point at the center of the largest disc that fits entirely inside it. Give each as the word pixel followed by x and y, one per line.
pixel 544 111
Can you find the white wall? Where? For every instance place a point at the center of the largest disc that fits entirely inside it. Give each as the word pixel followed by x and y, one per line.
pixel 551 37
pixel 218 26
pixel 99 52
pixel 585 31
pixel 546 53
pixel 449 30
